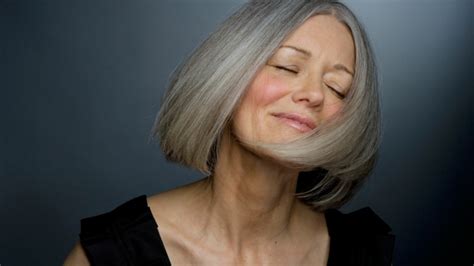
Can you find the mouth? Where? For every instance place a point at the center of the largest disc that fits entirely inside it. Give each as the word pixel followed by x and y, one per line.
pixel 297 121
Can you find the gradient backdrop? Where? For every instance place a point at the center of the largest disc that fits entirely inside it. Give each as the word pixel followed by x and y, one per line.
pixel 81 82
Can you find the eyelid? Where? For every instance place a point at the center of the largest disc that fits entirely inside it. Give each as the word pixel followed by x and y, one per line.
pixel 341 94
pixel 286 68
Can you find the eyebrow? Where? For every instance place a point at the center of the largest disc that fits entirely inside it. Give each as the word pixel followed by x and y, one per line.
pixel 308 54
pixel 343 68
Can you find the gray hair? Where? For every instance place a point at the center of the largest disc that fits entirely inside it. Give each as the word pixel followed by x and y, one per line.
pixel 206 89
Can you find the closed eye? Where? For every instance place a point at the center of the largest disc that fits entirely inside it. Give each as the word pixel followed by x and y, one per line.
pixel 339 94
pixel 286 69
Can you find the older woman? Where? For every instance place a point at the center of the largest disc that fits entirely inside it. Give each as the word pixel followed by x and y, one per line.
pixel 279 107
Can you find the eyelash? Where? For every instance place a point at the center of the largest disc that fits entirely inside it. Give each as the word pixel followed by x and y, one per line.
pixel 339 95
pixel 287 69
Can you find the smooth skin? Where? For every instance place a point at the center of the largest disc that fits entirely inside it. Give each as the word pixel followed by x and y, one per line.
pixel 246 213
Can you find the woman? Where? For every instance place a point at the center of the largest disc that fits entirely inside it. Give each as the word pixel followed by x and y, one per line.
pixel 280 108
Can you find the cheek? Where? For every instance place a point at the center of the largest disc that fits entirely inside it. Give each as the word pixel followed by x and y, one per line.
pixel 332 110
pixel 263 91
pixel 266 89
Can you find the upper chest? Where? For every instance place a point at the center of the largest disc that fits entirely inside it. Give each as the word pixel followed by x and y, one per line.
pixel 185 248
pixel 186 243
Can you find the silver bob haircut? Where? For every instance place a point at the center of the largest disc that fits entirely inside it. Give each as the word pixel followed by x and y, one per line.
pixel 206 89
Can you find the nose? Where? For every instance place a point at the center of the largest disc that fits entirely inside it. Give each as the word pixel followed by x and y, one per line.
pixel 311 94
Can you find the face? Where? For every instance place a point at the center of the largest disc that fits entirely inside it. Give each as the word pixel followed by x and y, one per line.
pixel 301 86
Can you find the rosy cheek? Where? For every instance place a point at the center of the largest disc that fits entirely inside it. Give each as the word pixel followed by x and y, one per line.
pixel 333 110
pixel 267 89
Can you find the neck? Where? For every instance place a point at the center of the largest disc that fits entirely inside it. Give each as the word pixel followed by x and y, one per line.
pixel 252 199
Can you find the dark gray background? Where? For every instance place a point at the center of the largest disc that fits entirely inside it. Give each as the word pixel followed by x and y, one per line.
pixel 81 82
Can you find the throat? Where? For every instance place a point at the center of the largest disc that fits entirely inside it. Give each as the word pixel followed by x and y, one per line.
pixel 251 209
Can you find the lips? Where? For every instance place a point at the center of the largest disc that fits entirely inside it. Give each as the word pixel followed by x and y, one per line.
pixel 297 121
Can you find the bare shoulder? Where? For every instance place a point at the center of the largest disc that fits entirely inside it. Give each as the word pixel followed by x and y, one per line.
pixel 175 213
pixel 163 207
pixel 171 205
pixel 77 256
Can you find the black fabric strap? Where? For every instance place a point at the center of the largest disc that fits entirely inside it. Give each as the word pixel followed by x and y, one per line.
pixel 359 238
pixel 126 236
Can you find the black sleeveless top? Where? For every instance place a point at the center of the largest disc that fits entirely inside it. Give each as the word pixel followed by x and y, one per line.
pixel 129 236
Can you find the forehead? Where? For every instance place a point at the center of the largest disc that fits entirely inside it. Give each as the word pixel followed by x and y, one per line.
pixel 324 35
